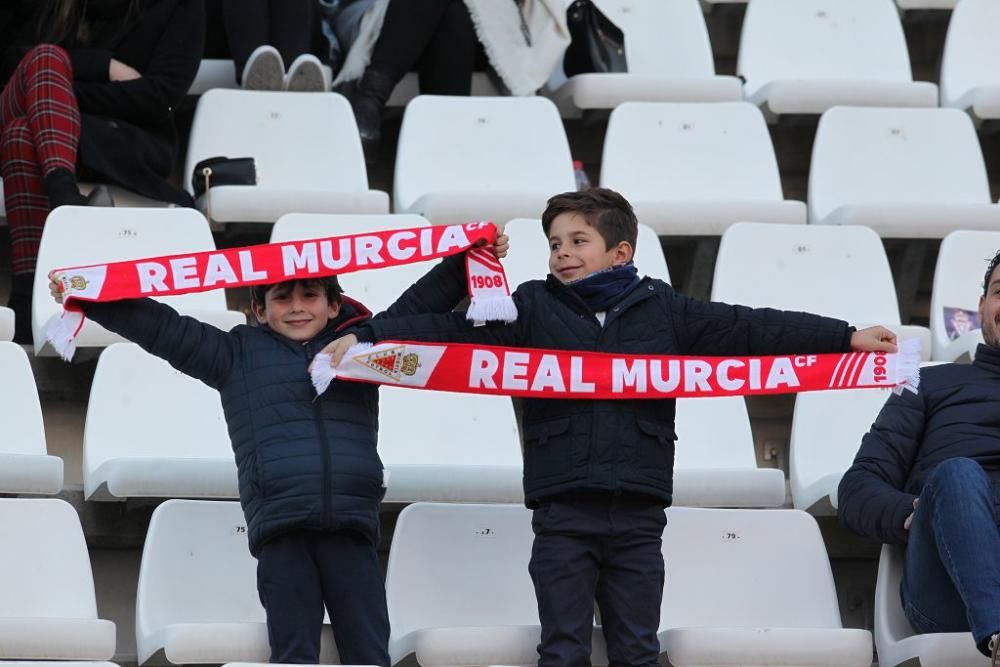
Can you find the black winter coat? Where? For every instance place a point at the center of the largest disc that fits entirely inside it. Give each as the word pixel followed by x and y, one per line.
pixel 619 445
pixel 303 462
pixel 956 413
pixel 127 134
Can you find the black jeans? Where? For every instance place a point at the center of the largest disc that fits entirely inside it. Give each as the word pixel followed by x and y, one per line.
pixel 598 546
pixel 299 572
pixel 433 37
pixel 287 25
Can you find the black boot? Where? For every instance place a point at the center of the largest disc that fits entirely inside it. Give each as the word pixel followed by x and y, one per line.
pixel 62 190
pixel 20 303
pixel 368 96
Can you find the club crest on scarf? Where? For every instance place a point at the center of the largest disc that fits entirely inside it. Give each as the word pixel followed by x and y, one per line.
pixel 392 363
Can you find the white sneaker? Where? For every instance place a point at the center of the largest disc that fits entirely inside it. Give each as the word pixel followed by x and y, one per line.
pixel 994 648
pixel 306 75
pixel 265 70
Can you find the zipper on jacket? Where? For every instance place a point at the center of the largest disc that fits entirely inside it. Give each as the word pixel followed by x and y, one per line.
pixel 324 450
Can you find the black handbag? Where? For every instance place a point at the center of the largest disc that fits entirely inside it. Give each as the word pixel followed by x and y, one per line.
pixel 215 171
pixel 597 44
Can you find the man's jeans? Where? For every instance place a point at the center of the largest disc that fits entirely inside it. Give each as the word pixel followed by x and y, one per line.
pixel 951 578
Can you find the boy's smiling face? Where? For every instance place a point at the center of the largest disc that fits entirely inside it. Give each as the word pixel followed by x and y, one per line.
pixel 577 249
pixel 297 310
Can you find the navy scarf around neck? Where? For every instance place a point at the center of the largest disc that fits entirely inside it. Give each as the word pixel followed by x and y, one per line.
pixel 605 288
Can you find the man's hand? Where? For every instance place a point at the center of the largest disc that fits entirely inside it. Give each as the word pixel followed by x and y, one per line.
pixel 909 519
pixel 338 348
pixel 55 286
pixel 119 71
pixel 873 339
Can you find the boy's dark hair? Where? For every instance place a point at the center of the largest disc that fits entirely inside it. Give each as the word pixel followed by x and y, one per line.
pixel 989 272
pixel 605 210
pixel 329 284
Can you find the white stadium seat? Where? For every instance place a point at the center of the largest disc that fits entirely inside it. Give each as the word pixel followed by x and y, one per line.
pixel 427 446
pixel 377 289
pixel 897 644
pixel 458 588
pixel 926 4
pixel 752 587
pixel 48 610
pixel 79 236
pixel 906 173
pixel 306 150
pixel 197 596
pixel 805 56
pixel 6 324
pixel 958 283
pixel 969 77
pixel 827 427
pixel 528 258
pixel 715 464
pixel 694 169
pixel 25 466
pixel 840 272
pixel 153 432
pixel 461 159
pixel 669 60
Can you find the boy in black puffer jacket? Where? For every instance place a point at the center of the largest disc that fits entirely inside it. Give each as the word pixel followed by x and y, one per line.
pixel 599 473
pixel 310 478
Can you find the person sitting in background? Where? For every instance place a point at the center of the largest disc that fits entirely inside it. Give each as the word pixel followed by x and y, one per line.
pixel 91 90
pixel 927 476
pixel 263 35
pixel 523 40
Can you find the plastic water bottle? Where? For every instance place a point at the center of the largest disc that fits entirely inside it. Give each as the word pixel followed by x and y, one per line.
pixel 582 182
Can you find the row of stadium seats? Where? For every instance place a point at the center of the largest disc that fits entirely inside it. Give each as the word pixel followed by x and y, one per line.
pixel 840 271
pixel 795 57
pixel 689 169
pixel 457 588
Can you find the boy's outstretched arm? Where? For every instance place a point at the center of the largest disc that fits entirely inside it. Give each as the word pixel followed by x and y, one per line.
pixel 192 347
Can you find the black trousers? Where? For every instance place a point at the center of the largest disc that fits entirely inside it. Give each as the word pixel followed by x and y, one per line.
pixel 434 37
pixel 300 572
pixel 287 25
pixel 603 547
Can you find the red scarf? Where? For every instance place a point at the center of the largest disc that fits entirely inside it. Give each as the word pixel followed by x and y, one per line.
pixel 534 373
pixel 279 262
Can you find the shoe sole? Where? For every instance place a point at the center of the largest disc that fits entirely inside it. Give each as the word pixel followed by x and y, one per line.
pixel 265 73
pixel 306 78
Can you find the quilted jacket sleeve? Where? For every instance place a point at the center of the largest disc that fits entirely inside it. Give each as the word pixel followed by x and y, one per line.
pixel 192 347
pixel 870 498
pixel 712 328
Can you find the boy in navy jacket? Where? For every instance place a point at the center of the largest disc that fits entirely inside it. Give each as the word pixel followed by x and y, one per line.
pixel 598 473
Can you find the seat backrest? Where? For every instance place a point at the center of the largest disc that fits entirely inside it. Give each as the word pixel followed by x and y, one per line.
pixel 746 569
pixel 299 141
pixel 891 625
pixel 822 40
pixel 133 390
pixel 661 151
pixel 713 433
pixel 77 236
pixel 44 564
pixel 835 271
pixel 378 289
pixel 424 427
pixel 962 261
pixel 821 445
pixel 196 567
pixel 970 49
pixel 529 252
pixel 453 565
pixel 481 144
pixel 666 37
pixel 20 410
pixel 868 155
